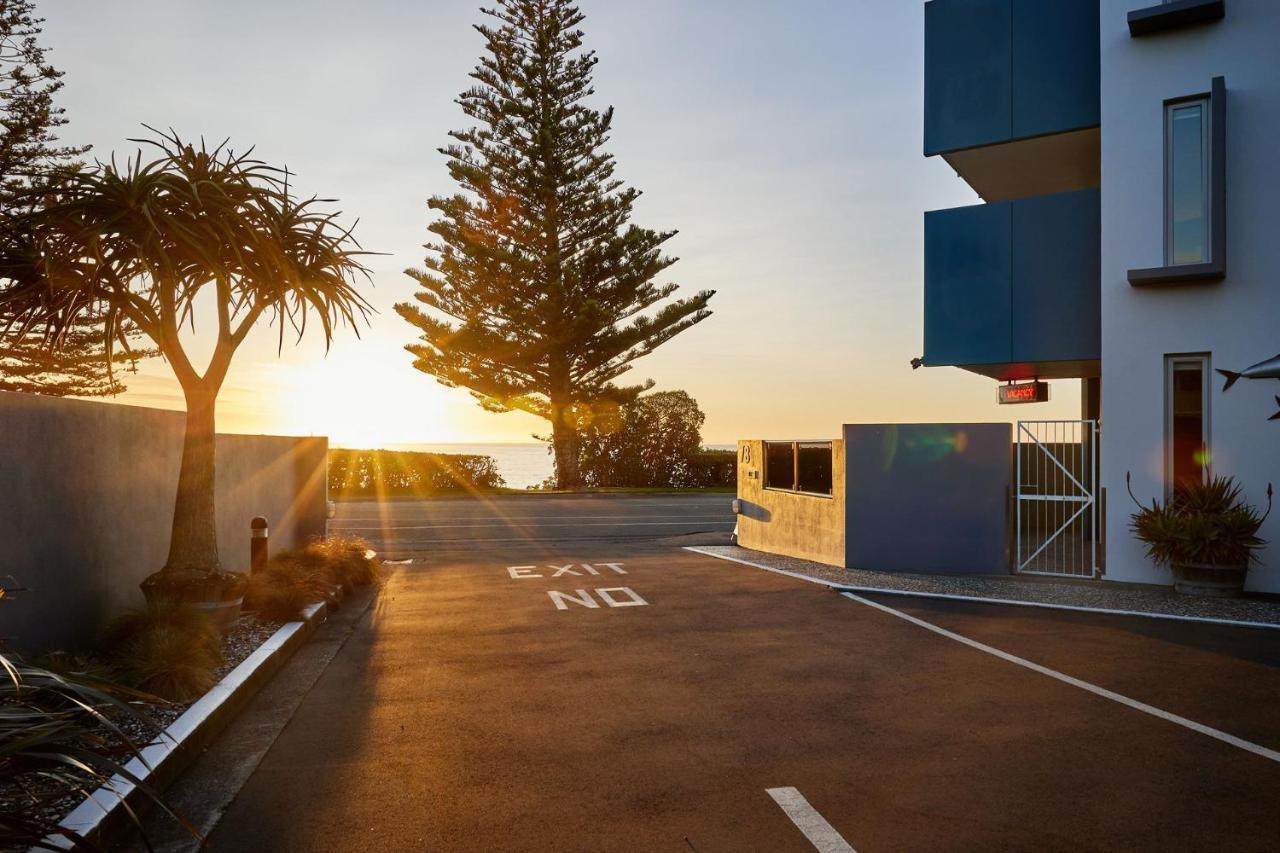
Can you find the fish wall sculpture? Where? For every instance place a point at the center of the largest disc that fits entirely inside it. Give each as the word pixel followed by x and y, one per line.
pixel 1269 369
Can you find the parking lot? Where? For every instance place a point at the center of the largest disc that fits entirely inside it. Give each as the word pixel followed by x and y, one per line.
pixel 627 696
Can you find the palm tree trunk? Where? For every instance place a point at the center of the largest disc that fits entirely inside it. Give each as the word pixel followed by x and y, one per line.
pixel 193 544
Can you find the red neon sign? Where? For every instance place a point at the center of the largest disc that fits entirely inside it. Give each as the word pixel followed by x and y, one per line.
pixel 1024 392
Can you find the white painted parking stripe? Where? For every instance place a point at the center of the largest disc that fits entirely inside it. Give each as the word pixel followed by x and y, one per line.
pixel 517 523
pixel 1239 743
pixel 814 826
pixel 1013 602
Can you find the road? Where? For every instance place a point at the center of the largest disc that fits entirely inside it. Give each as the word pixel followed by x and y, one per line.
pixel 403 527
pixel 631 696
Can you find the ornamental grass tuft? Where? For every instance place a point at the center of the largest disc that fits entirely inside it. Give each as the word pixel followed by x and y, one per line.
pixel 169 650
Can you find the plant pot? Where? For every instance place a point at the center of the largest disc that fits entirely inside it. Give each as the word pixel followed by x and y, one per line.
pixel 218 594
pixel 1208 580
pixel 222 613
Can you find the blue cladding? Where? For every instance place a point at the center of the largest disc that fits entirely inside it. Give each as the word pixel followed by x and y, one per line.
pixel 1000 70
pixel 1013 281
pixel 1056 66
pixel 967 73
pixel 967 278
pixel 1057 275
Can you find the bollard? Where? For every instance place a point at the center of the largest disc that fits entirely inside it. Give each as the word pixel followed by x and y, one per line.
pixel 258 537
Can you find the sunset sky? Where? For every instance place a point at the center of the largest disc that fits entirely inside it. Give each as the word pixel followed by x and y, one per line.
pixel 782 139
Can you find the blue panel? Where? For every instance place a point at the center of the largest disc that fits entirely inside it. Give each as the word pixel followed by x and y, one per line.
pixel 967 68
pixel 928 497
pixel 1057 277
pixel 1056 66
pixel 967 275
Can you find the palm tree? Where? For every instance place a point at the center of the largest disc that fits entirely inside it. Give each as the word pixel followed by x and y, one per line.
pixel 139 242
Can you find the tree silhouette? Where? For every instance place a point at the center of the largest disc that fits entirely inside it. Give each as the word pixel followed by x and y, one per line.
pixel 539 286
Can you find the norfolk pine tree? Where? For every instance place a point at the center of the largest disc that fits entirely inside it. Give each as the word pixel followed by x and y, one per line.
pixel 30 156
pixel 544 284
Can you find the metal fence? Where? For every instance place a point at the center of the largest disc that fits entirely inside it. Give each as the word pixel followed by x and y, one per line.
pixel 1056 498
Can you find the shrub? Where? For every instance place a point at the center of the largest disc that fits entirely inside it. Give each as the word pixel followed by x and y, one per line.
pixel 1204 523
pixel 293 579
pixel 376 473
pixel 61 735
pixel 171 651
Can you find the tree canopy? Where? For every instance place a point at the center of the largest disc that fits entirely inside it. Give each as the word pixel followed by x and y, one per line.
pixel 540 291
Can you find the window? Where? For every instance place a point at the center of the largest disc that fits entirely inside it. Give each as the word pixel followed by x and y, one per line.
pixel 1195 178
pixel 1187 182
pixel 1186 420
pixel 798 466
pixel 780 465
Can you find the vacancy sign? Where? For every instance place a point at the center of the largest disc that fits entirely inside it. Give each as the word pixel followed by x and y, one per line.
pixel 1024 392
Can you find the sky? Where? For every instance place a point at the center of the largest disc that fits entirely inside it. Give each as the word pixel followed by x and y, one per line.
pixel 782 139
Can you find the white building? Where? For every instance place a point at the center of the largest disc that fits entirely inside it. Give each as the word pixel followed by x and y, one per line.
pixel 1126 152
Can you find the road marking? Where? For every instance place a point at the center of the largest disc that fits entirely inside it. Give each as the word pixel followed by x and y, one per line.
pixel 1239 743
pixel 1014 602
pixel 584 599
pixel 519 522
pixel 814 826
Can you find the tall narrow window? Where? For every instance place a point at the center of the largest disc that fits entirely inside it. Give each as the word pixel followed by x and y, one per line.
pixel 1187 182
pixel 1187 419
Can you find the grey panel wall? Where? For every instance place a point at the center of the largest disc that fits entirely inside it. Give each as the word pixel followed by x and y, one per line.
pixel 928 497
pixel 87 502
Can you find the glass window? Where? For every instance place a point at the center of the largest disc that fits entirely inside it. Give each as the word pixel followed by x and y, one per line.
pixel 1187 401
pixel 779 465
pixel 1187 183
pixel 814 467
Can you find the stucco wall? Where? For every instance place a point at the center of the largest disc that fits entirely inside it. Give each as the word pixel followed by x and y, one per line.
pixel 88 500
pixel 1237 320
pixel 811 527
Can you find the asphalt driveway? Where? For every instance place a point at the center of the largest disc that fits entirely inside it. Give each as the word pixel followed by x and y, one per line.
pixel 624 696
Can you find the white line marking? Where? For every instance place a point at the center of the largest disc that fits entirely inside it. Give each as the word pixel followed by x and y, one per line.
pixel 814 826
pixel 1240 743
pixel 1238 623
pixel 517 523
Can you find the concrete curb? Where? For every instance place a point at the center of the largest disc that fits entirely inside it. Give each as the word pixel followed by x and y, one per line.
pixel 107 808
pixel 843 587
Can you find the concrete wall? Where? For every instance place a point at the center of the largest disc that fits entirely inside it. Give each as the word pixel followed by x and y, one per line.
pixel 928 497
pixel 1236 321
pixel 811 527
pixel 88 500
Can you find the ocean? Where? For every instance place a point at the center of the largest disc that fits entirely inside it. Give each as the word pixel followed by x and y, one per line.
pixel 522 465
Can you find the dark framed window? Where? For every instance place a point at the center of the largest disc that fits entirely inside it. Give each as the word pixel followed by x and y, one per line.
pixel 780 465
pixel 799 466
pixel 1195 176
pixel 1187 455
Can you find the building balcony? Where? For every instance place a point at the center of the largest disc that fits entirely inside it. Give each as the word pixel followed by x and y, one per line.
pixel 1011 94
pixel 1012 288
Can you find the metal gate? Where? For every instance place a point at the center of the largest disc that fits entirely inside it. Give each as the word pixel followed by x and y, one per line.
pixel 1056 500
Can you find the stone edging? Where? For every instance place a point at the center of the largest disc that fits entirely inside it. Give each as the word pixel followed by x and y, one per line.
pixel 106 809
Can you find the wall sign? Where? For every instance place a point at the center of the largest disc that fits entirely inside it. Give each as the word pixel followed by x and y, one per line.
pixel 1024 392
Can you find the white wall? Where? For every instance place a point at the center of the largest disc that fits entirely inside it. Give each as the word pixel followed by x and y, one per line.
pixel 1236 320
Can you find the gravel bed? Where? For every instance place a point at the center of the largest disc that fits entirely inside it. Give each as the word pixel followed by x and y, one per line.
pixel 248 634
pixel 1099 594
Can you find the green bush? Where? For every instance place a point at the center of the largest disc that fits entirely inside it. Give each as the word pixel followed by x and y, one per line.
pixel 171 651
pixel 377 473
pixel 59 735
pixel 1205 523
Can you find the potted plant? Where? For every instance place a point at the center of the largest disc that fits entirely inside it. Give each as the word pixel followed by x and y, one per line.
pixel 1205 533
